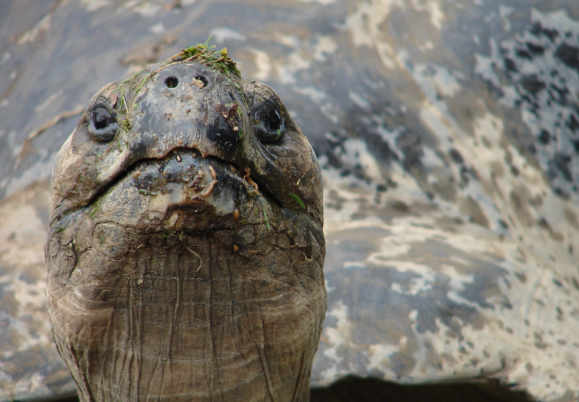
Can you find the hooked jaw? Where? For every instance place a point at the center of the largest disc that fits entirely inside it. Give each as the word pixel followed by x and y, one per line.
pixel 187 106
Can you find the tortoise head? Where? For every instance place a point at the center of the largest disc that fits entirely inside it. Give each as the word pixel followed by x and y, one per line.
pixel 187 107
pixel 186 236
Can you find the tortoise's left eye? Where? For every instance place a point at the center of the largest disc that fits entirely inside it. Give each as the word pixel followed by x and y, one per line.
pixel 103 124
pixel 271 129
pixel 273 120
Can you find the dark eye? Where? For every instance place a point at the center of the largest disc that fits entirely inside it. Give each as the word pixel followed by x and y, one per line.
pixel 271 129
pixel 273 120
pixel 103 124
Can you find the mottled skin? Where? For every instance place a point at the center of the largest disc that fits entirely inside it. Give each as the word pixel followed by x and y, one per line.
pixel 172 277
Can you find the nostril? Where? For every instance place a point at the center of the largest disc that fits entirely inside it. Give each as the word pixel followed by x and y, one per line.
pixel 202 79
pixel 171 82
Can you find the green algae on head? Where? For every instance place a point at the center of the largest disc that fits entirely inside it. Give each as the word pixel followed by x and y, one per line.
pixel 204 54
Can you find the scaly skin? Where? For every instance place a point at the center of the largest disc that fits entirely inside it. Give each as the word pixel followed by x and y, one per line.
pixel 171 278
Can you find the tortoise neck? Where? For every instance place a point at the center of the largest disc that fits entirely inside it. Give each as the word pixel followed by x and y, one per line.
pixel 192 317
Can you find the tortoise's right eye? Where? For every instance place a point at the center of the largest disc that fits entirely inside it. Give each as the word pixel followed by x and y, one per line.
pixel 103 124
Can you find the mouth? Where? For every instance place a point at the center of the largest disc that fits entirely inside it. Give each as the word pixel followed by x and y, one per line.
pixel 182 191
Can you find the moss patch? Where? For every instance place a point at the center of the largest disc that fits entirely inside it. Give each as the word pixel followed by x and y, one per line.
pixel 205 54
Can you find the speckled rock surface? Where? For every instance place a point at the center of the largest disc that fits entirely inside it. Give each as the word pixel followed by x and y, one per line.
pixel 447 135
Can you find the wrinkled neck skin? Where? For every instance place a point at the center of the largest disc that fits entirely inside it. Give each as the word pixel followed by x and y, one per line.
pixel 171 277
pixel 179 315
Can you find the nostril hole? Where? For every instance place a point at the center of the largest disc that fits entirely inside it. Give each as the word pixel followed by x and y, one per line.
pixel 171 82
pixel 203 79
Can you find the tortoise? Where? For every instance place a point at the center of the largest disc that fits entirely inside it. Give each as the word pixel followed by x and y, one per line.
pixel 448 146
pixel 186 245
